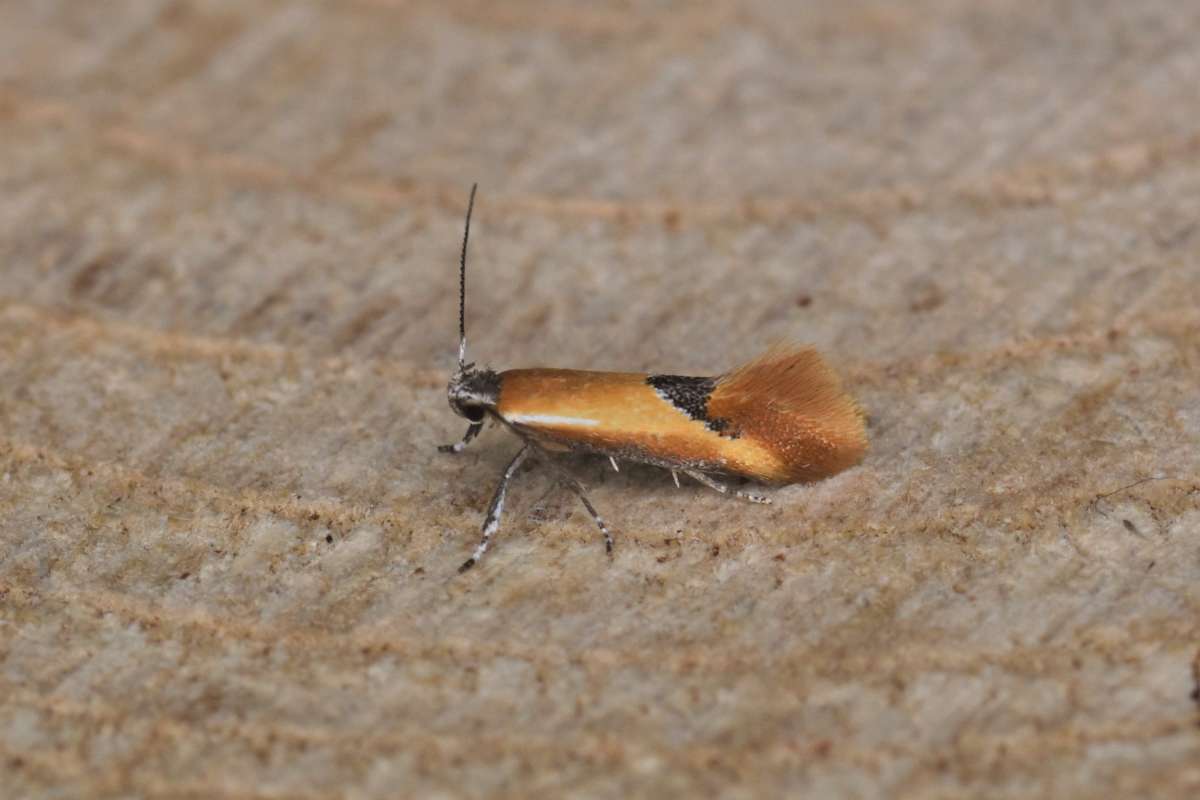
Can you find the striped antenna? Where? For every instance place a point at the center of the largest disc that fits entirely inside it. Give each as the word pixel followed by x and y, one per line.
pixel 462 285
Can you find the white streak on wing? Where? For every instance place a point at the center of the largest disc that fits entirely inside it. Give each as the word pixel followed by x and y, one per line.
pixel 551 419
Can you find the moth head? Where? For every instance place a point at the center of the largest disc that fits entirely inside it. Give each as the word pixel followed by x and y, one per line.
pixel 473 392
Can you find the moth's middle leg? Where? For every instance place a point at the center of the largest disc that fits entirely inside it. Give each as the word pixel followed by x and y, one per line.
pixel 492 521
pixel 575 486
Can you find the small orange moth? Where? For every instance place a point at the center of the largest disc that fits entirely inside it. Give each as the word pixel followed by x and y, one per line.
pixel 779 419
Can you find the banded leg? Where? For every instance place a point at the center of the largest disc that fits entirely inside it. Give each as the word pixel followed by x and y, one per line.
pixel 576 487
pixel 608 540
pixel 472 431
pixel 492 521
pixel 723 489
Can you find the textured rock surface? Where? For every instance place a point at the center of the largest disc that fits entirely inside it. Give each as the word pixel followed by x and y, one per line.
pixel 227 307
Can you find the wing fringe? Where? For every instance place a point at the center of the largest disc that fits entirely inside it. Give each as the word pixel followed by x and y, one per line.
pixel 790 399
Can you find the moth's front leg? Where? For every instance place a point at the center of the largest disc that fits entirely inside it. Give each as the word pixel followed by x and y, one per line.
pixel 459 446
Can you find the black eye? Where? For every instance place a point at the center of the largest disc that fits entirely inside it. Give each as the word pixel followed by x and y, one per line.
pixel 473 413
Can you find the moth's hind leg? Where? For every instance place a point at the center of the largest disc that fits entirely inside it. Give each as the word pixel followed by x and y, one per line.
pixel 723 489
pixel 576 487
pixel 492 521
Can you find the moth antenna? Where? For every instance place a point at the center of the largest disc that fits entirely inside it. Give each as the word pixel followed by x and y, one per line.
pixel 462 285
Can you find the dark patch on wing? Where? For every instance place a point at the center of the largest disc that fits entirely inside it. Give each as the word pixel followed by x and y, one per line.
pixel 690 395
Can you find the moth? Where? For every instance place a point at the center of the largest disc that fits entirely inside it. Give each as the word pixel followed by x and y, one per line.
pixel 779 419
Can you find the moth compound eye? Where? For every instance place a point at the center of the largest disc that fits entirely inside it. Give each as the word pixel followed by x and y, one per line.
pixel 473 413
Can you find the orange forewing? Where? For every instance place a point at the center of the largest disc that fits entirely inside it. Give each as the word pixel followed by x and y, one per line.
pixel 786 418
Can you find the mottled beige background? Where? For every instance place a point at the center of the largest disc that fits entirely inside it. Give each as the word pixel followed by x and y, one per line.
pixel 228 234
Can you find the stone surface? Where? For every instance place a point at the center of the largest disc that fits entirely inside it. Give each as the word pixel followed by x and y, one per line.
pixel 227 310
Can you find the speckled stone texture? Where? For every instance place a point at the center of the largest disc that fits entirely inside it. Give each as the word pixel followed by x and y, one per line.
pixel 228 240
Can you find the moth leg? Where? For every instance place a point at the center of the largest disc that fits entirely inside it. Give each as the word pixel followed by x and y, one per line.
pixel 608 539
pixel 723 489
pixel 675 475
pixel 576 487
pixel 613 461
pixel 492 521
pixel 472 431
